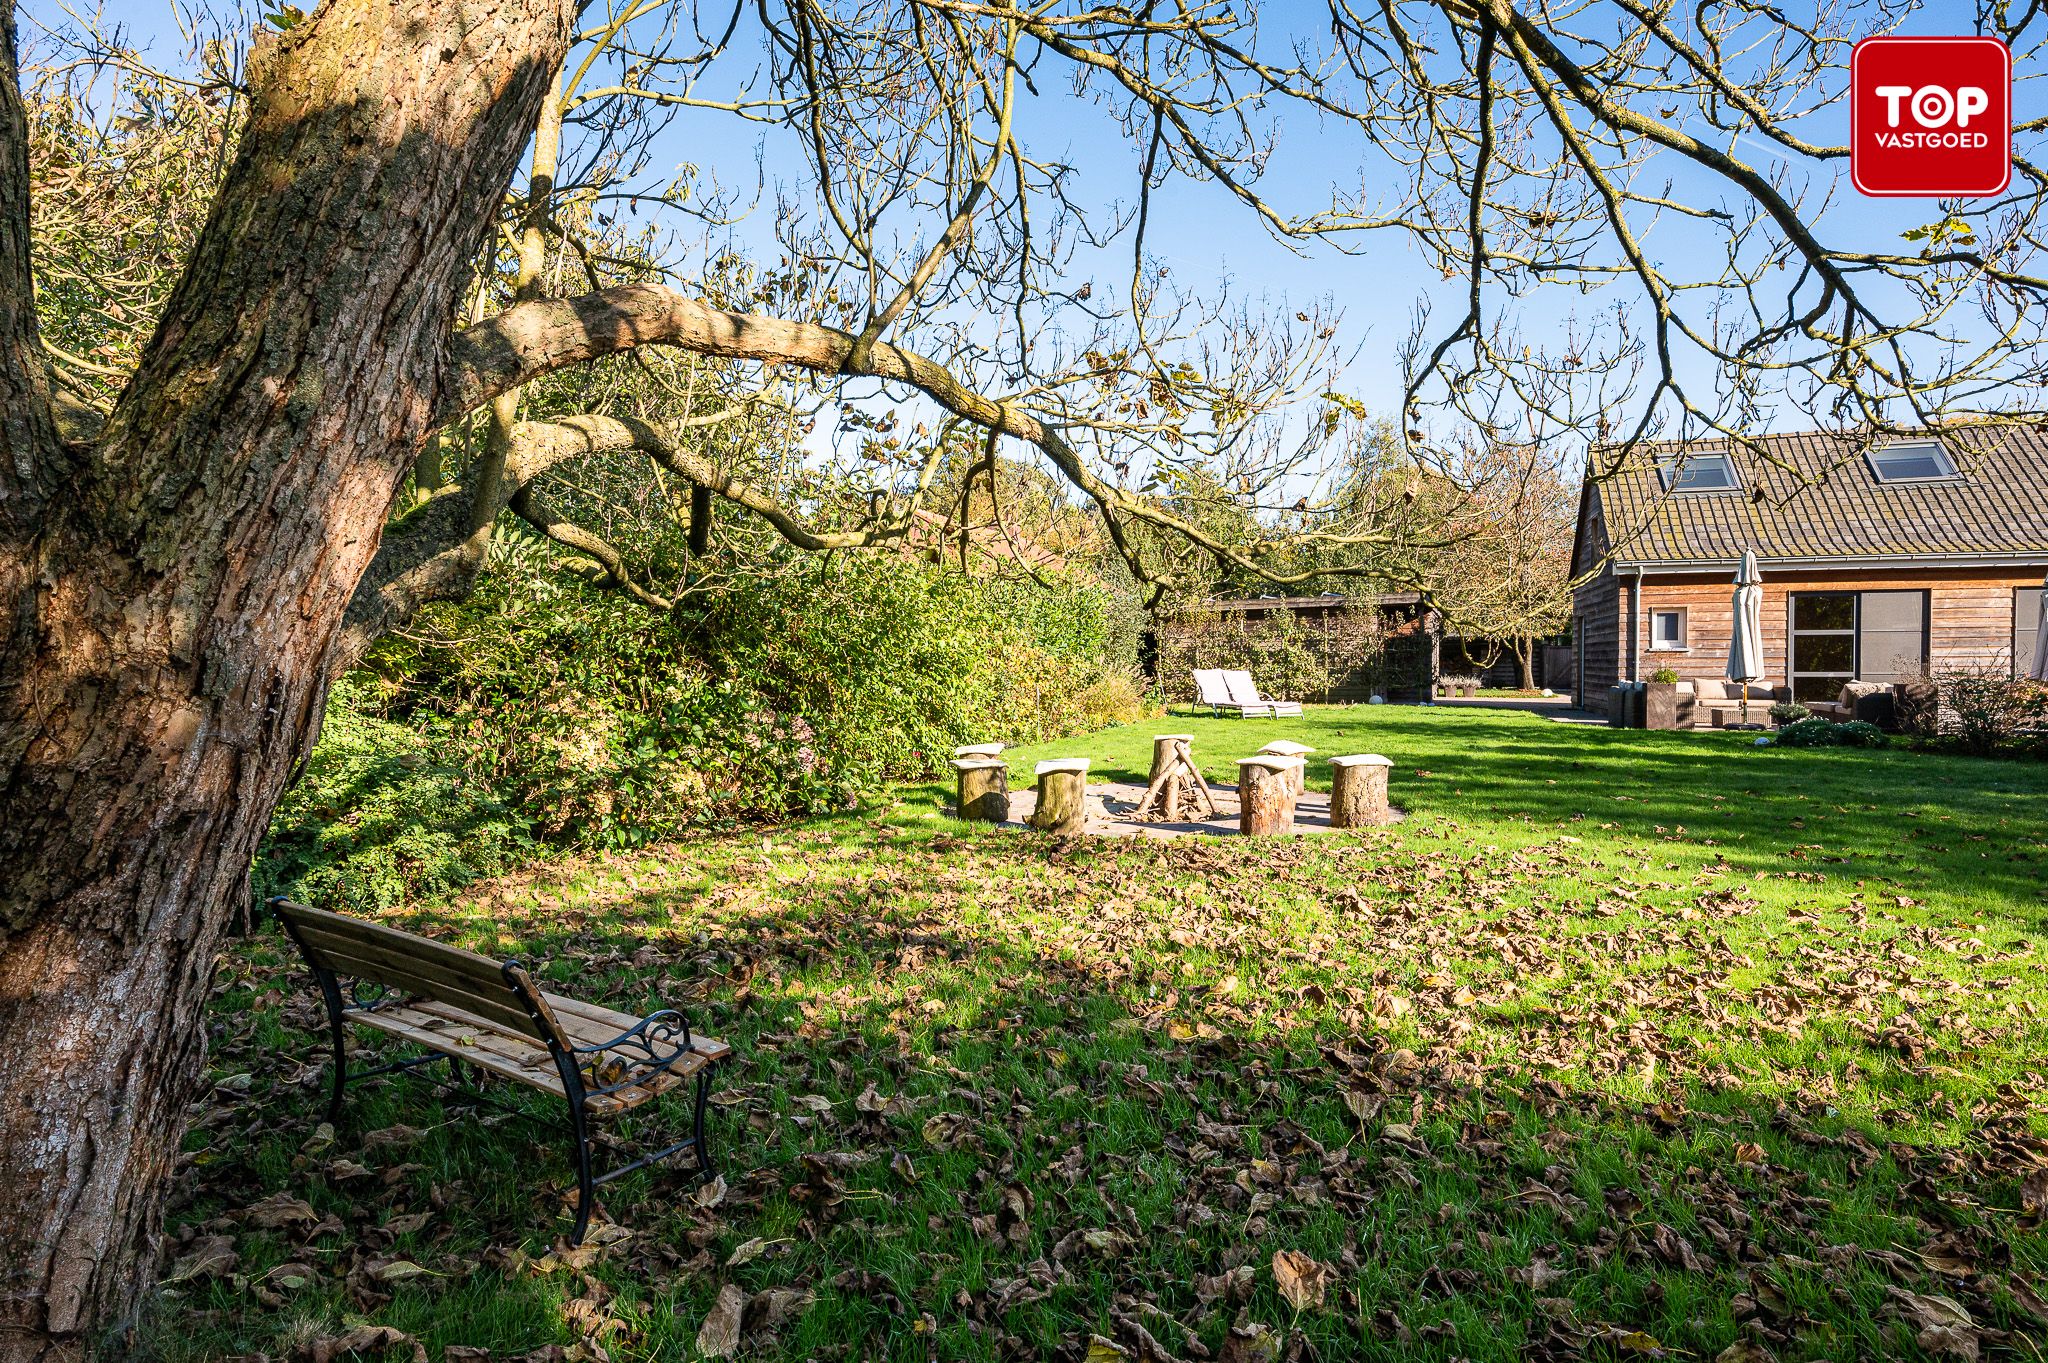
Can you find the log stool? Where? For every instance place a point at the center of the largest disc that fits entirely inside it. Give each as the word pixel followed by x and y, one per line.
pixel 1358 791
pixel 1283 747
pixel 1265 793
pixel 1062 796
pixel 984 795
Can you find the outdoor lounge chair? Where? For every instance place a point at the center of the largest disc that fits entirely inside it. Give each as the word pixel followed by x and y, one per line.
pixel 1245 693
pixel 1211 690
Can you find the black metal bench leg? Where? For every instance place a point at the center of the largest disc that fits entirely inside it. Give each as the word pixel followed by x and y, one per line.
pixel 339 1031
pixel 586 1180
pixel 702 1142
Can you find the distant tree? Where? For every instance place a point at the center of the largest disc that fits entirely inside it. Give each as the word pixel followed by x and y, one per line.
pixel 1508 576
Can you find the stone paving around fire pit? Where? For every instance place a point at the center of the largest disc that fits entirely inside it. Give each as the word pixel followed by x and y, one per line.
pixel 1110 804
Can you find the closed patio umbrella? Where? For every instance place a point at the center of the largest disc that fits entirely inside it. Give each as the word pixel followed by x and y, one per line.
pixel 2040 669
pixel 1746 641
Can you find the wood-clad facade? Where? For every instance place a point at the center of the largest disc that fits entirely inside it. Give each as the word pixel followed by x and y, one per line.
pixel 1968 617
pixel 1921 578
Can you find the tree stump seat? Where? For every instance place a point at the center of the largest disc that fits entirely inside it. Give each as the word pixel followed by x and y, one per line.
pixel 1287 747
pixel 1266 786
pixel 1062 796
pixel 1358 791
pixel 984 789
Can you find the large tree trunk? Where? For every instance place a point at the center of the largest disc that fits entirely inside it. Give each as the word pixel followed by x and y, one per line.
pixel 172 593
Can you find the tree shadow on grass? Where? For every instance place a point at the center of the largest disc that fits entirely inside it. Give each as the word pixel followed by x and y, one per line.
pixel 952 1135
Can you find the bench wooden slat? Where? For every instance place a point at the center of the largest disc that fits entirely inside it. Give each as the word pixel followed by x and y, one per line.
pixel 440 1027
pixel 404 947
pixel 477 984
pixel 589 1023
pixel 503 1009
pixel 520 1060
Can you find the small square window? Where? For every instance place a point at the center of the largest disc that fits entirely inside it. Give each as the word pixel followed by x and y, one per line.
pixel 1711 472
pixel 1667 628
pixel 1919 462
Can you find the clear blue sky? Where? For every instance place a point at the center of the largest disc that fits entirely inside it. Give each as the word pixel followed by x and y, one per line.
pixel 1203 235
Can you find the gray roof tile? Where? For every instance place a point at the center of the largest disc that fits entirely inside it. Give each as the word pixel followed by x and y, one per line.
pixel 1812 495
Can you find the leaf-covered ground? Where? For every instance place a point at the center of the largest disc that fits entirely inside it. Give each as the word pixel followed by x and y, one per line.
pixel 1621 1045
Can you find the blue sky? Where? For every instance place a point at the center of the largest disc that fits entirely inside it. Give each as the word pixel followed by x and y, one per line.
pixel 1203 235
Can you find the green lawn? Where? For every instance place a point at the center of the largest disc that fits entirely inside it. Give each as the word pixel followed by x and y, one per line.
pixel 1620 1045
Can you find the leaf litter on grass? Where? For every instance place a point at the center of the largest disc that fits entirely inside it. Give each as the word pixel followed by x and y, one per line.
pixel 1536 1101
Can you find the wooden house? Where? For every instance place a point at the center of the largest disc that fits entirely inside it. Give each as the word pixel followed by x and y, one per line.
pixel 1879 560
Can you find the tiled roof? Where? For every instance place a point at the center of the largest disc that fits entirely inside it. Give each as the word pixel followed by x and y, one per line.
pixel 1814 496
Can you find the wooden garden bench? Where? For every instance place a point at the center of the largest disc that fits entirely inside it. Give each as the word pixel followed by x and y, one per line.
pixel 471 1010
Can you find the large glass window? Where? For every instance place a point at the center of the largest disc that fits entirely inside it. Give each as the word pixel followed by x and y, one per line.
pixel 1823 644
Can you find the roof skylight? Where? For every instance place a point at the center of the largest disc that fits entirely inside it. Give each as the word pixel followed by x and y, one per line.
pixel 1710 472
pixel 1918 462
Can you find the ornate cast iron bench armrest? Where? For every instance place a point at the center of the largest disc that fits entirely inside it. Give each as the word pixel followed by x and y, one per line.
pixel 640 1050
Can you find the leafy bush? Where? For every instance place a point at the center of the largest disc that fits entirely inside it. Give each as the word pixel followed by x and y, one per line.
pixel 1807 733
pixel 1985 712
pixel 543 711
pixel 1664 676
pixel 900 662
pixel 1825 733
pixel 384 813
pixel 1788 712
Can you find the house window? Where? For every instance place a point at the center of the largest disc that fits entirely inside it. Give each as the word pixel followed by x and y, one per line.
pixel 1711 472
pixel 1667 629
pixel 1823 644
pixel 1922 461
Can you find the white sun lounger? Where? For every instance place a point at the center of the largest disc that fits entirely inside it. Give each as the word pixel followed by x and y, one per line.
pixel 1211 690
pixel 1245 693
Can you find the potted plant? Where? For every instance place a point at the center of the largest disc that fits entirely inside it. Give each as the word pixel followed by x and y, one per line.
pixel 1786 712
pixel 1661 707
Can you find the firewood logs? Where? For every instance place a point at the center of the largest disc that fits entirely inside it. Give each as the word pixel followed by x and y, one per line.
pixel 984 795
pixel 1265 794
pixel 1358 791
pixel 1176 788
pixel 1062 796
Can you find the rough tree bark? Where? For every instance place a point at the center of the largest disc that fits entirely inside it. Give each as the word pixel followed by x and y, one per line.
pixel 173 591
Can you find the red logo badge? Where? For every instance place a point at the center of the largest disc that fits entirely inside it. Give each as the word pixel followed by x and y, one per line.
pixel 1930 118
